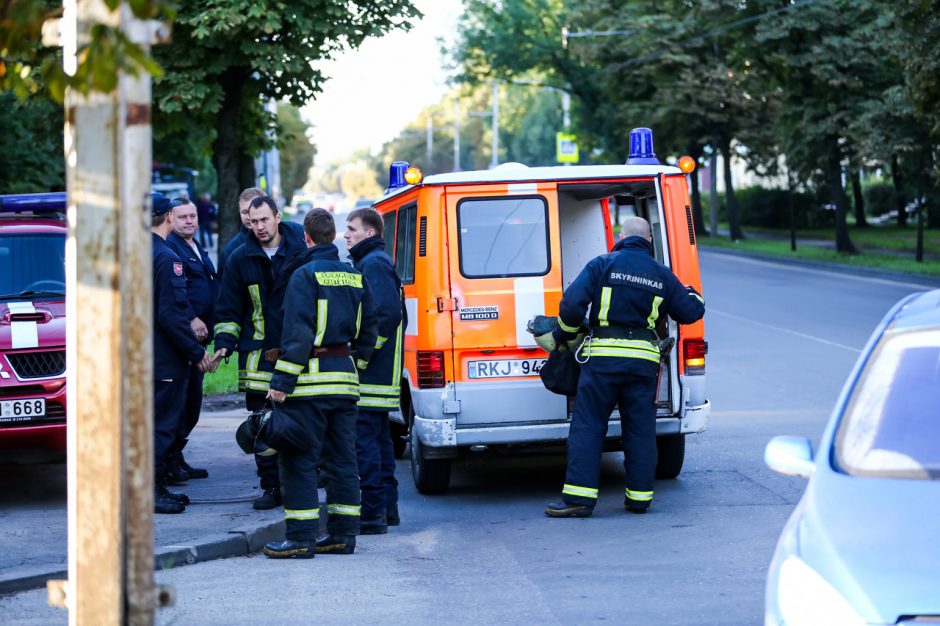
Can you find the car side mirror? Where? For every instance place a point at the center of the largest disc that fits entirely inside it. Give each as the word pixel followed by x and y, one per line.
pixel 792 456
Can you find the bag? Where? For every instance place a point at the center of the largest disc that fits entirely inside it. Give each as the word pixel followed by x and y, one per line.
pixel 561 372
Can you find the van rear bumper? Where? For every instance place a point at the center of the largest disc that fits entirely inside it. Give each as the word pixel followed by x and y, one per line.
pixel 446 433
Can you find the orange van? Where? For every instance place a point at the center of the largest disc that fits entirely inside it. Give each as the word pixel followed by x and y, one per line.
pixel 480 253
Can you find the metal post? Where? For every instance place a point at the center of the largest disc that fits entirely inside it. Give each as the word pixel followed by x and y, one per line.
pixel 565 110
pixel 494 160
pixel 430 143
pixel 109 357
pixel 456 136
pixel 713 195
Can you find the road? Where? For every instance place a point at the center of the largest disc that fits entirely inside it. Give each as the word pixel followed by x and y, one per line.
pixel 782 338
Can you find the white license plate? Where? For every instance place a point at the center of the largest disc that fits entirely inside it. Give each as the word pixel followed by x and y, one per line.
pixel 22 410
pixel 504 368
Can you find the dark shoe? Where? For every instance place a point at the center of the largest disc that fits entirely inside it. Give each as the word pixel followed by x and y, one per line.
pixel 564 509
pixel 373 526
pixel 336 544
pixel 182 498
pixel 194 472
pixel 268 500
pixel 634 507
pixel 164 504
pixel 176 475
pixel 391 516
pixel 290 549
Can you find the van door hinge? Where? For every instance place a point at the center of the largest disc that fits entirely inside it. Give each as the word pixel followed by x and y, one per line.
pixel 446 304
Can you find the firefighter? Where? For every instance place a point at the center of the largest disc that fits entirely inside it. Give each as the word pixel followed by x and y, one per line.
pixel 175 347
pixel 244 202
pixel 314 389
pixel 380 383
pixel 627 291
pixel 248 315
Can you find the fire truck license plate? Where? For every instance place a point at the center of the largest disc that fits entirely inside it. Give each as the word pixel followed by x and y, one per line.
pixel 21 410
pixel 505 368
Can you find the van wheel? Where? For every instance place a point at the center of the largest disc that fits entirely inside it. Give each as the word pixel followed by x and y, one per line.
pixel 430 475
pixel 399 438
pixel 671 455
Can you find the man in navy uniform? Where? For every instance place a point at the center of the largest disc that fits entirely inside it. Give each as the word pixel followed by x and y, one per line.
pixel 380 383
pixel 249 313
pixel 175 347
pixel 329 331
pixel 202 287
pixel 627 290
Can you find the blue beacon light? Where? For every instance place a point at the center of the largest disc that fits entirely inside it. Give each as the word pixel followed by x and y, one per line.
pixel 641 148
pixel 396 176
pixel 33 202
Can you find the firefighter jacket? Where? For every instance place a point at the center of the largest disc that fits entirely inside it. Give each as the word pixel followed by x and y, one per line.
pixel 327 307
pixel 202 283
pixel 174 342
pixel 246 310
pixel 243 233
pixel 380 383
pixel 628 290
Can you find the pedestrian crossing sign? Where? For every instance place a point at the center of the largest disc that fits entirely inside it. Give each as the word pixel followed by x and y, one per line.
pixel 566 148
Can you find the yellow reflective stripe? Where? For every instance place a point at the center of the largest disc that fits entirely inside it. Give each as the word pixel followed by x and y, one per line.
pixel 380 342
pixel 584 492
pixel 605 306
pixel 338 279
pixel 328 377
pixel 246 375
pixel 322 307
pixel 380 390
pixel 636 344
pixel 287 366
pixel 396 369
pixel 622 353
pixel 325 390
pixel 654 314
pixel 640 496
pixel 566 328
pixel 227 327
pixel 251 385
pixel 373 402
pixel 257 315
pixel 254 360
pixel 361 364
pixel 301 513
pixel 697 297
pixel 343 509
pixel 358 320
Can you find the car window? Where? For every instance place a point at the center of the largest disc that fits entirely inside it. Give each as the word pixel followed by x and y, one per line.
pixel 32 263
pixel 405 243
pixel 892 421
pixel 502 237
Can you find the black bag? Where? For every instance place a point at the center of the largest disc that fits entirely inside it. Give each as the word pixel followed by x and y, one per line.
pixel 560 372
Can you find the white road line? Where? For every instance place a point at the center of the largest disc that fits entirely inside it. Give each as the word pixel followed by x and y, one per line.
pixel 785 330
pixel 809 270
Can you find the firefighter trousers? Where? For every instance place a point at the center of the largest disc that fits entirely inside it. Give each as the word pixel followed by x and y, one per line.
pixel 376 458
pixel 598 393
pixel 328 423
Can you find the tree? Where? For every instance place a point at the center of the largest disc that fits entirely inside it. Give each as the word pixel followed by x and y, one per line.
pixel 30 155
pixel 295 149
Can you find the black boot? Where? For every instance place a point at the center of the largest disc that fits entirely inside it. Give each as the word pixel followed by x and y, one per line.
pixel 182 498
pixel 175 474
pixel 194 472
pixel 635 507
pixel 391 515
pixel 268 500
pixel 336 544
pixel 164 502
pixel 290 549
pixel 373 525
pixel 564 509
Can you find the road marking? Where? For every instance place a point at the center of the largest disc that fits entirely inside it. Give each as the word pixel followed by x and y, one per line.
pixel 883 281
pixel 786 330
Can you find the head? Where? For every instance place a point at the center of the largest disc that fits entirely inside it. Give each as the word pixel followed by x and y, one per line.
pixel 635 226
pixel 362 224
pixel 185 220
pixel 319 227
pixel 161 214
pixel 244 200
pixel 263 220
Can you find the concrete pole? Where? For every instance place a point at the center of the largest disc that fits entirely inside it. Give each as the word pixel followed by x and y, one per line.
pixel 109 357
pixel 456 136
pixel 565 110
pixel 494 160
pixel 429 154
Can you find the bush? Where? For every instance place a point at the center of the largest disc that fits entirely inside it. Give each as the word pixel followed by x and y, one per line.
pixel 879 198
pixel 769 208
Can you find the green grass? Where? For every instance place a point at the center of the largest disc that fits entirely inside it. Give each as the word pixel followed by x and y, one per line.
pixel 223 380
pixel 887 238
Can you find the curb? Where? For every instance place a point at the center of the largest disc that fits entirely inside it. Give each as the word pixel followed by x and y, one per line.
pixel 239 541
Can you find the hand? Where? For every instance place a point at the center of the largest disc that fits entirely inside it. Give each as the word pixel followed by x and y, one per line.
pixel 206 363
pixel 277 396
pixel 221 353
pixel 199 328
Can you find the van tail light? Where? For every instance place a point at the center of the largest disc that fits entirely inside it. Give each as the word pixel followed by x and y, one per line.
pixel 430 370
pixel 693 354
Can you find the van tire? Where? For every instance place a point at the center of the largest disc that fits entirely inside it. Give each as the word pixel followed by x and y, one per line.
pixel 399 438
pixel 430 475
pixel 670 456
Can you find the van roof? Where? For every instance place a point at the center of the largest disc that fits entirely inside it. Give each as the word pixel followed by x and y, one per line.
pixel 517 173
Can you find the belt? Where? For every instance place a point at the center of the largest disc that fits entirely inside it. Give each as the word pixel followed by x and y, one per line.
pixel 622 332
pixel 319 352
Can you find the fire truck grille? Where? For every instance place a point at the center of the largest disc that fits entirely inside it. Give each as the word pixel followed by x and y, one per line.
pixel 38 364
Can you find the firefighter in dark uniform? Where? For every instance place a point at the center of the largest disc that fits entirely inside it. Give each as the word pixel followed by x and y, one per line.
pixel 327 311
pixel 174 348
pixel 380 383
pixel 248 317
pixel 202 287
pixel 627 290
pixel 244 206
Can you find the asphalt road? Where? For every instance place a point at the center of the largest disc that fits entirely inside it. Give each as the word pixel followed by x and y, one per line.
pixel 782 339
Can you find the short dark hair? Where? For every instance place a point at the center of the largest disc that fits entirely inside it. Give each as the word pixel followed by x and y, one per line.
pixel 158 220
pixel 319 226
pixel 257 201
pixel 370 218
pixel 249 193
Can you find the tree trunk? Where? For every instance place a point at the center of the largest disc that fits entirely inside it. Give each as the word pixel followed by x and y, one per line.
pixel 734 222
pixel 697 216
pixel 838 197
pixel 859 202
pixel 899 202
pixel 227 153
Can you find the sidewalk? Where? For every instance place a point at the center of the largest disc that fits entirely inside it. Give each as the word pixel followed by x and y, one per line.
pixel 219 523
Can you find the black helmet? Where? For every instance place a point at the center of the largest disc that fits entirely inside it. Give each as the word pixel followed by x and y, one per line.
pixel 248 434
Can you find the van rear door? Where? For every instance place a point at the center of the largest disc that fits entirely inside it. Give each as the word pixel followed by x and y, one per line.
pixel 504 269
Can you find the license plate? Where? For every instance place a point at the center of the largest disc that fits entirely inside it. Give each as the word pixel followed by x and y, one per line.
pixel 22 410
pixel 505 368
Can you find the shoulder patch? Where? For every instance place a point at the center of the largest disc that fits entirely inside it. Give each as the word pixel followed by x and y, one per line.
pixel 177 268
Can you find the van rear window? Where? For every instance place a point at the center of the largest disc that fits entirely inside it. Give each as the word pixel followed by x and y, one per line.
pixel 502 237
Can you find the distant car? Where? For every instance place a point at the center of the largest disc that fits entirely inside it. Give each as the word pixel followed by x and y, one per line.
pixel 32 327
pixel 862 545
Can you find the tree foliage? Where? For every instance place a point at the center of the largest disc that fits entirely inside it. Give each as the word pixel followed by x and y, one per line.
pixel 295 149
